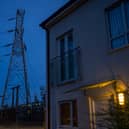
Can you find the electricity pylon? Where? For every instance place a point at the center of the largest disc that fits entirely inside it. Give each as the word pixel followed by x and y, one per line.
pixel 16 89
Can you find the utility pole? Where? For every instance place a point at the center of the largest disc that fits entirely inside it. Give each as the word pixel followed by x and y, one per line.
pixel 17 71
pixel 15 90
pixel 13 97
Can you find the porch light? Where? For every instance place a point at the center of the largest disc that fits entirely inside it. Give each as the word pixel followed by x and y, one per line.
pixel 121 99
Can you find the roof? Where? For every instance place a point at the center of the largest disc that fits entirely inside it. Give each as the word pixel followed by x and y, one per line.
pixel 120 85
pixel 65 10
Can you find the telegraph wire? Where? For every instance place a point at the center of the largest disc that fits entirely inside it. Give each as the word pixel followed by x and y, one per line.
pixel 12 19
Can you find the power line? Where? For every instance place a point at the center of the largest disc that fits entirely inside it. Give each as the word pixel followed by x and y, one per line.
pixel 12 19
pixel 4 32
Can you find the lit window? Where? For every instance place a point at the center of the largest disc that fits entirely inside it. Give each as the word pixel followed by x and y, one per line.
pixel 118 21
pixel 68 113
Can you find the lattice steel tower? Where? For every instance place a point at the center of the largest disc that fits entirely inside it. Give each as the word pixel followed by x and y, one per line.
pixel 16 89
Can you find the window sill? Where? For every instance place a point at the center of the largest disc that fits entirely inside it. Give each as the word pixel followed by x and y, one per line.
pixel 113 50
pixel 66 126
pixel 67 81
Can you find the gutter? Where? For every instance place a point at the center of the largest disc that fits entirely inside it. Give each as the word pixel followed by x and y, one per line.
pixel 61 13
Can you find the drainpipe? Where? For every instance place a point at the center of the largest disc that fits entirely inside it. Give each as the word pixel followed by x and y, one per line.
pixel 48 112
pixel 48 78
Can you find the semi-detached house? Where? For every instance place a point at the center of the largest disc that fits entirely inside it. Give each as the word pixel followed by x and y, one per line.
pixel 87 60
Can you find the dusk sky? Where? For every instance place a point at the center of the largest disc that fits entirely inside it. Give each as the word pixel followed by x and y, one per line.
pixel 34 37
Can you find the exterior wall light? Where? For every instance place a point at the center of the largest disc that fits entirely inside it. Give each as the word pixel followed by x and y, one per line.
pixel 121 99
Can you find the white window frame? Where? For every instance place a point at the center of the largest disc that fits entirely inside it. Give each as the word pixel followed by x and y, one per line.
pixel 65 36
pixel 92 115
pixel 66 50
pixel 71 114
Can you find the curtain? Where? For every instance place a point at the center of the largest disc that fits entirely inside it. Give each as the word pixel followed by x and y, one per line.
pixel 127 12
pixel 116 22
pixel 116 27
pixel 118 42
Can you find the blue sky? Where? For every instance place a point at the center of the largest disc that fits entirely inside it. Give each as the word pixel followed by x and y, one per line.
pixel 34 37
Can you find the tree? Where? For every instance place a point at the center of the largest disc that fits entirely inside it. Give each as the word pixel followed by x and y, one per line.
pixel 116 117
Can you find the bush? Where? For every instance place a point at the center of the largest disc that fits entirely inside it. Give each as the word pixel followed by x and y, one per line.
pixel 116 117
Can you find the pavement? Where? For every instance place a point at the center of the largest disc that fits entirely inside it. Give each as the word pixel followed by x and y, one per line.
pixel 23 125
pixel 16 127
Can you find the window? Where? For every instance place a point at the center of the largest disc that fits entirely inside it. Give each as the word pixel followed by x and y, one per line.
pixel 118 21
pixel 68 113
pixel 64 67
pixel 67 58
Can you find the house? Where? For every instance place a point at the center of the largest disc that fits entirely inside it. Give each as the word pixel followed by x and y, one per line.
pixel 87 61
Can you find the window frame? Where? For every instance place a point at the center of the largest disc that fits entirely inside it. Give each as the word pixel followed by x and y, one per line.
pixel 71 113
pixel 75 74
pixel 125 33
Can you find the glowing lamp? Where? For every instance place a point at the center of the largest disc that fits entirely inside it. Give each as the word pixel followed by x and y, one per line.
pixel 121 98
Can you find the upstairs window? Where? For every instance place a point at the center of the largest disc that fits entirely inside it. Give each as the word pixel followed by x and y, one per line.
pixel 118 22
pixel 64 68
pixel 67 58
